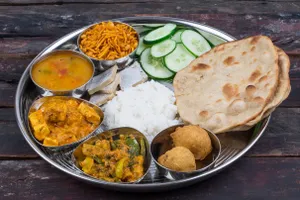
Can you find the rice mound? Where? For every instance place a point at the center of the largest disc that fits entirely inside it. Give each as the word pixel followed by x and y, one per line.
pixel 148 107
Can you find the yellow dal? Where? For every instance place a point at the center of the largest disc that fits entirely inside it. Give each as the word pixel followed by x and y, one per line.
pixel 62 71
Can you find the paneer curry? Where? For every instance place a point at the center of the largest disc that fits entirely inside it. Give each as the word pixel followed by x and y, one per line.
pixel 114 160
pixel 63 121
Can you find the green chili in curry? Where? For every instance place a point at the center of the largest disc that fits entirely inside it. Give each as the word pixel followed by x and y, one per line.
pixel 119 160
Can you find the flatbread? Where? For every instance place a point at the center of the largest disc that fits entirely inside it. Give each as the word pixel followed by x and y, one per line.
pixel 229 85
pixel 282 92
pixel 283 88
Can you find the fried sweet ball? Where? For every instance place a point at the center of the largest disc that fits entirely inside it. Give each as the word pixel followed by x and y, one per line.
pixel 195 139
pixel 178 159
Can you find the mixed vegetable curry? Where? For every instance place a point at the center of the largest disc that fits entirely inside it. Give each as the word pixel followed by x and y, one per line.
pixel 119 160
pixel 60 121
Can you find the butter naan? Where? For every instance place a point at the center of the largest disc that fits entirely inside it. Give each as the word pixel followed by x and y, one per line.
pixel 229 85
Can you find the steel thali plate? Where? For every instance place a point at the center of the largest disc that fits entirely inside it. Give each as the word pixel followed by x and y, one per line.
pixel 27 93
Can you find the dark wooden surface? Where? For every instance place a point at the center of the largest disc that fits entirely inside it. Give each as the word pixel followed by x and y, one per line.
pixel 271 170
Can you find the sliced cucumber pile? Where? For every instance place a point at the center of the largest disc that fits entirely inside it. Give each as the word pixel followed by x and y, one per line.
pixel 163 48
pixel 160 34
pixel 178 59
pixel 194 42
pixel 154 67
pixel 166 49
pixel 141 46
pixel 212 39
pixel 176 36
pixel 153 25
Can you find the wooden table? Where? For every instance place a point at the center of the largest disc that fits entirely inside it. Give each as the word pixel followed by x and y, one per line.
pixel 271 170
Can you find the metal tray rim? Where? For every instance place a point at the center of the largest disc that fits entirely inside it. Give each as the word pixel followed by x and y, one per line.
pixel 130 187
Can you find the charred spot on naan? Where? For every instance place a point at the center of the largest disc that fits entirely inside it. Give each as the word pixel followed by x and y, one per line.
pixel 255 39
pixel 200 67
pixel 230 90
pixel 252 48
pixel 229 60
pixel 244 53
pixel 262 79
pixel 254 75
pixel 203 114
pixel 250 90
pixel 267 85
pixel 259 100
pixel 219 48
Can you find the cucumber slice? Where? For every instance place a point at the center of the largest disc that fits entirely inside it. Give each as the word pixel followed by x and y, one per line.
pixel 178 59
pixel 160 34
pixel 153 25
pixel 176 36
pixel 142 29
pixel 141 46
pixel 194 42
pixel 154 67
pixel 163 48
pixel 213 39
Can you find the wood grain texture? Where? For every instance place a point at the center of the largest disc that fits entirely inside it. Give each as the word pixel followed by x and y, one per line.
pixel 282 135
pixel 13 145
pixel 7 93
pixel 239 19
pixel 280 139
pixel 249 178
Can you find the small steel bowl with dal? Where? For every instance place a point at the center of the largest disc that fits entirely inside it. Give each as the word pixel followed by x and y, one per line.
pixel 162 142
pixel 76 92
pixel 78 156
pixel 103 65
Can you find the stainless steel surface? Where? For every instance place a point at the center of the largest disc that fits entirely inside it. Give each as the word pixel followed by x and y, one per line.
pixel 103 65
pixel 113 133
pixel 227 154
pixel 162 142
pixel 26 94
pixel 77 92
pixel 39 102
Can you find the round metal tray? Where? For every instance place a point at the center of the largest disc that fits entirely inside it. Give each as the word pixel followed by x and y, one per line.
pixel 26 93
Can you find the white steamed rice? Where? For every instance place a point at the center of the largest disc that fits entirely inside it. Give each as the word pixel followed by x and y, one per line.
pixel 148 107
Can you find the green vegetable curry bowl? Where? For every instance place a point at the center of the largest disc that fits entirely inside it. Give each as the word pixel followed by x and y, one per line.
pixel 118 155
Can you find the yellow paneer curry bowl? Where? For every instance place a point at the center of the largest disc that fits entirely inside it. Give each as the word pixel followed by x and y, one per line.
pixel 118 155
pixel 61 121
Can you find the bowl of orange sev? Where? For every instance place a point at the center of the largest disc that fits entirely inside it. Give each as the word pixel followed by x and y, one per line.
pixel 109 43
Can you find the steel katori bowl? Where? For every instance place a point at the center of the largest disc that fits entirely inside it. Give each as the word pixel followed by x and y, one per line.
pixel 102 65
pixel 76 92
pixel 162 142
pixel 78 156
pixel 36 105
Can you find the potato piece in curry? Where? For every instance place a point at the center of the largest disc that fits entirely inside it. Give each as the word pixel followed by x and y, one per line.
pixel 63 121
pixel 119 160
